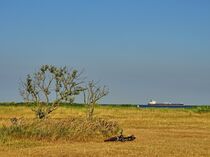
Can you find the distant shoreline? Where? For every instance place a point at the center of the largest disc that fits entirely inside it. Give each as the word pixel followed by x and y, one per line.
pixel 108 105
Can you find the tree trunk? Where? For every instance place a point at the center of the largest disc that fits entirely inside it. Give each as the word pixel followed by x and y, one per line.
pixel 90 111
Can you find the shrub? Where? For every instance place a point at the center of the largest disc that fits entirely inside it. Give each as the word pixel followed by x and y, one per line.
pixel 77 129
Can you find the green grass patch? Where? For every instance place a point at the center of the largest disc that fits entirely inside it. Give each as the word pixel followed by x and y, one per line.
pixel 201 109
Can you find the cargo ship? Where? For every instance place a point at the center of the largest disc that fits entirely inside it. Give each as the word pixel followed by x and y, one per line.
pixel 154 103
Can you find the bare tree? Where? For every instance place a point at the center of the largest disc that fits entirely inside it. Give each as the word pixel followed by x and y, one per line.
pixel 92 95
pixel 50 86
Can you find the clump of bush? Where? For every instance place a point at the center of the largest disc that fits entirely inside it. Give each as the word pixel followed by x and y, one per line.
pixel 70 129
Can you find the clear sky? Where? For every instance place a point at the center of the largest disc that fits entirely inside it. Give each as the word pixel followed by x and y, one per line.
pixel 140 49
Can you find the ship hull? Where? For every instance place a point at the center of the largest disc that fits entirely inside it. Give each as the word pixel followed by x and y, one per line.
pixel 162 104
pixel 166 106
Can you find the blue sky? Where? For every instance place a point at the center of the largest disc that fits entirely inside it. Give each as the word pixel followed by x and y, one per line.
pixel 141 49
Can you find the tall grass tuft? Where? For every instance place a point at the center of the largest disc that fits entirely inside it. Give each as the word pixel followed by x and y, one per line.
pixel 71 129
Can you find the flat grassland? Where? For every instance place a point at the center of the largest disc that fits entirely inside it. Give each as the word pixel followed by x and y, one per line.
pixel 159 132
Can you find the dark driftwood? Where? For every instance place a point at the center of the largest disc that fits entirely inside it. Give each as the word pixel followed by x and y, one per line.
pixel 120 138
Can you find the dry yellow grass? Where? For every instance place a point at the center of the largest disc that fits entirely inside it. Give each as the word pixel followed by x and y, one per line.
pixel 160 133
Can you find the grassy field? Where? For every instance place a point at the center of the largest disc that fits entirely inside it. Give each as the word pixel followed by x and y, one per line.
pixel 159 132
